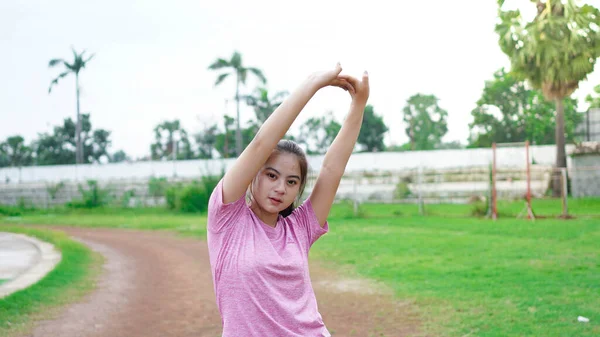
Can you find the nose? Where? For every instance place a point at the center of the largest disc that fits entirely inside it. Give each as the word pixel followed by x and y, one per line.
pixel 280 186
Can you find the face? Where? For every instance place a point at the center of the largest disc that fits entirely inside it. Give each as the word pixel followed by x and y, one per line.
pixel 277 184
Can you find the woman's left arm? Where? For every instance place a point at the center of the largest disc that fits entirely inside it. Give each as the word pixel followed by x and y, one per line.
pixel 336 158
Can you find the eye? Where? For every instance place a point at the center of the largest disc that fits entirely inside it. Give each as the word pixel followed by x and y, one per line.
pixel 292 182
pixel 271 175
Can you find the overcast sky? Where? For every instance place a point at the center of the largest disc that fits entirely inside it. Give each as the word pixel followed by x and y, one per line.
pixel 152 57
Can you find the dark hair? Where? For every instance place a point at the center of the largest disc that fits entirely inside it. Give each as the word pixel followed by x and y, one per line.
pixel 288 146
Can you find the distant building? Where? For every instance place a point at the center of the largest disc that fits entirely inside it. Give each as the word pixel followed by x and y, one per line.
pixel 589 129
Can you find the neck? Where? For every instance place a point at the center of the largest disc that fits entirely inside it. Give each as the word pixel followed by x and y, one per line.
pixel 269 219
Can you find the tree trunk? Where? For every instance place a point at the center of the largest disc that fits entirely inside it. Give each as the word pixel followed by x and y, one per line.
pixel 561 158
pixel 79 148
pixel 238 132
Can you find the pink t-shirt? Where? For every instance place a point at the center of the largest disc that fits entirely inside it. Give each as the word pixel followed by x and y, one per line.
pixel 260 273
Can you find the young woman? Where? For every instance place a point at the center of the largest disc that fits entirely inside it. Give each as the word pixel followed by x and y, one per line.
pixel 259 248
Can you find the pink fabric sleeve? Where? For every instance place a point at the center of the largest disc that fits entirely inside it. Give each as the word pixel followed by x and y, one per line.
pixel 220 215
pixel 305 217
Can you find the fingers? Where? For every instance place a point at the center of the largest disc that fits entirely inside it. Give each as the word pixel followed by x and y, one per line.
pixel 338 69
pixel 344 85
pixel 353 81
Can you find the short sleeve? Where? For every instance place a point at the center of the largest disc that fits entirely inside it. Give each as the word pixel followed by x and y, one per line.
pixel 305 217
pixel 221 215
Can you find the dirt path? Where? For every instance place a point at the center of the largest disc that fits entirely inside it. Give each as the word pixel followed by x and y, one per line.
pixel 157 284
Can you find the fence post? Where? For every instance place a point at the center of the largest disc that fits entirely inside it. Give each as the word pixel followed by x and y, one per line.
pixel 419 183
pixel 355 198
pixel 565 207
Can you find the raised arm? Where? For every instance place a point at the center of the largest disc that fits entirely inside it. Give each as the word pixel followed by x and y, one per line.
pixel 245 168
pixel 336 158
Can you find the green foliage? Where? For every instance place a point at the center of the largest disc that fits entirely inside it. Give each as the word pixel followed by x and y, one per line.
pixel 225 142
pixel 205 141
pixel 191 197
pixel 16 152
pixel 509 111
pixel 119 156
pixel 58 147
pixel 479 208
pixel 165 142
pixel 402 190
pixel 235 66
pixel 426 122
pixel 93 197
pixel 555 50
pixel 317 133
pixel 10 210
pixel 372 131
pixel 157 187
pixel 126 198
pixel 594 100
pixel 263 105
pixel 53 189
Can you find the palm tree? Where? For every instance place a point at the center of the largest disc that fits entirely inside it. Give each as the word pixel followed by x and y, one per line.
pixel 75 67
pixel 554 52
pixel 163 148
pixel 241 72
pixel 262 104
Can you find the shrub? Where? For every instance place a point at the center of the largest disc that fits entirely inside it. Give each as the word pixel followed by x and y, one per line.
pixel 93 197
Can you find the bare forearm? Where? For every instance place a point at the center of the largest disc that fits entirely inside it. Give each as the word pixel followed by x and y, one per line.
pixel 282 118
pixel 340 150
pixel 256 154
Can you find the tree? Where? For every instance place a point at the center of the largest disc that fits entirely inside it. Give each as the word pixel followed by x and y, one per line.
pixel 17 153
pixel 594 101
pixel 79 62
pixel 165 143
pixel 317 133
pixel 206 140
pixel 119 156
pixel 99 146
pixel 51 149
pixel 4 160
pixel 553 52
pixel 372 131
pixel 453 145
pixel 262 104
pixel 426 122
pixel 59 147
pixel 223 140
pixel 241 73
pixel 509 111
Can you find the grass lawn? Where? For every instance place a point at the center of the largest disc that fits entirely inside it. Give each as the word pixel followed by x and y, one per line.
pixel 72 278
pixel 468 276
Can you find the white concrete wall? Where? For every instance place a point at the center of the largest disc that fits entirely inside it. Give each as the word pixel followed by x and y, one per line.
pixel 513 157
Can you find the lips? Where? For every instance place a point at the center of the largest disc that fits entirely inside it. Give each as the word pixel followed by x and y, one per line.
pixel 276 201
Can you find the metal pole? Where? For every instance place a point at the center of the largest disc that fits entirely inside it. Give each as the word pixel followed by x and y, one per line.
pixel 494 206
pixel 565 207
pixel 355 196
pixel 420 180
pixel 529 215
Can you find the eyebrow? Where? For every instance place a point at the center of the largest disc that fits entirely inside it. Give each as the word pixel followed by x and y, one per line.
pixel 279 173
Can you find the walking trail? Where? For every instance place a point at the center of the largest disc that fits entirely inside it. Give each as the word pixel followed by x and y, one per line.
pixel 158 284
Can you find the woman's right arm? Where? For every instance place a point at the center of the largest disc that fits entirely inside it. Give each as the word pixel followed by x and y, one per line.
pixel 245 168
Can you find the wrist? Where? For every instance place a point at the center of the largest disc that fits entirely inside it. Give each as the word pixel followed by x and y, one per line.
pixel 312 82
pixel 358 105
